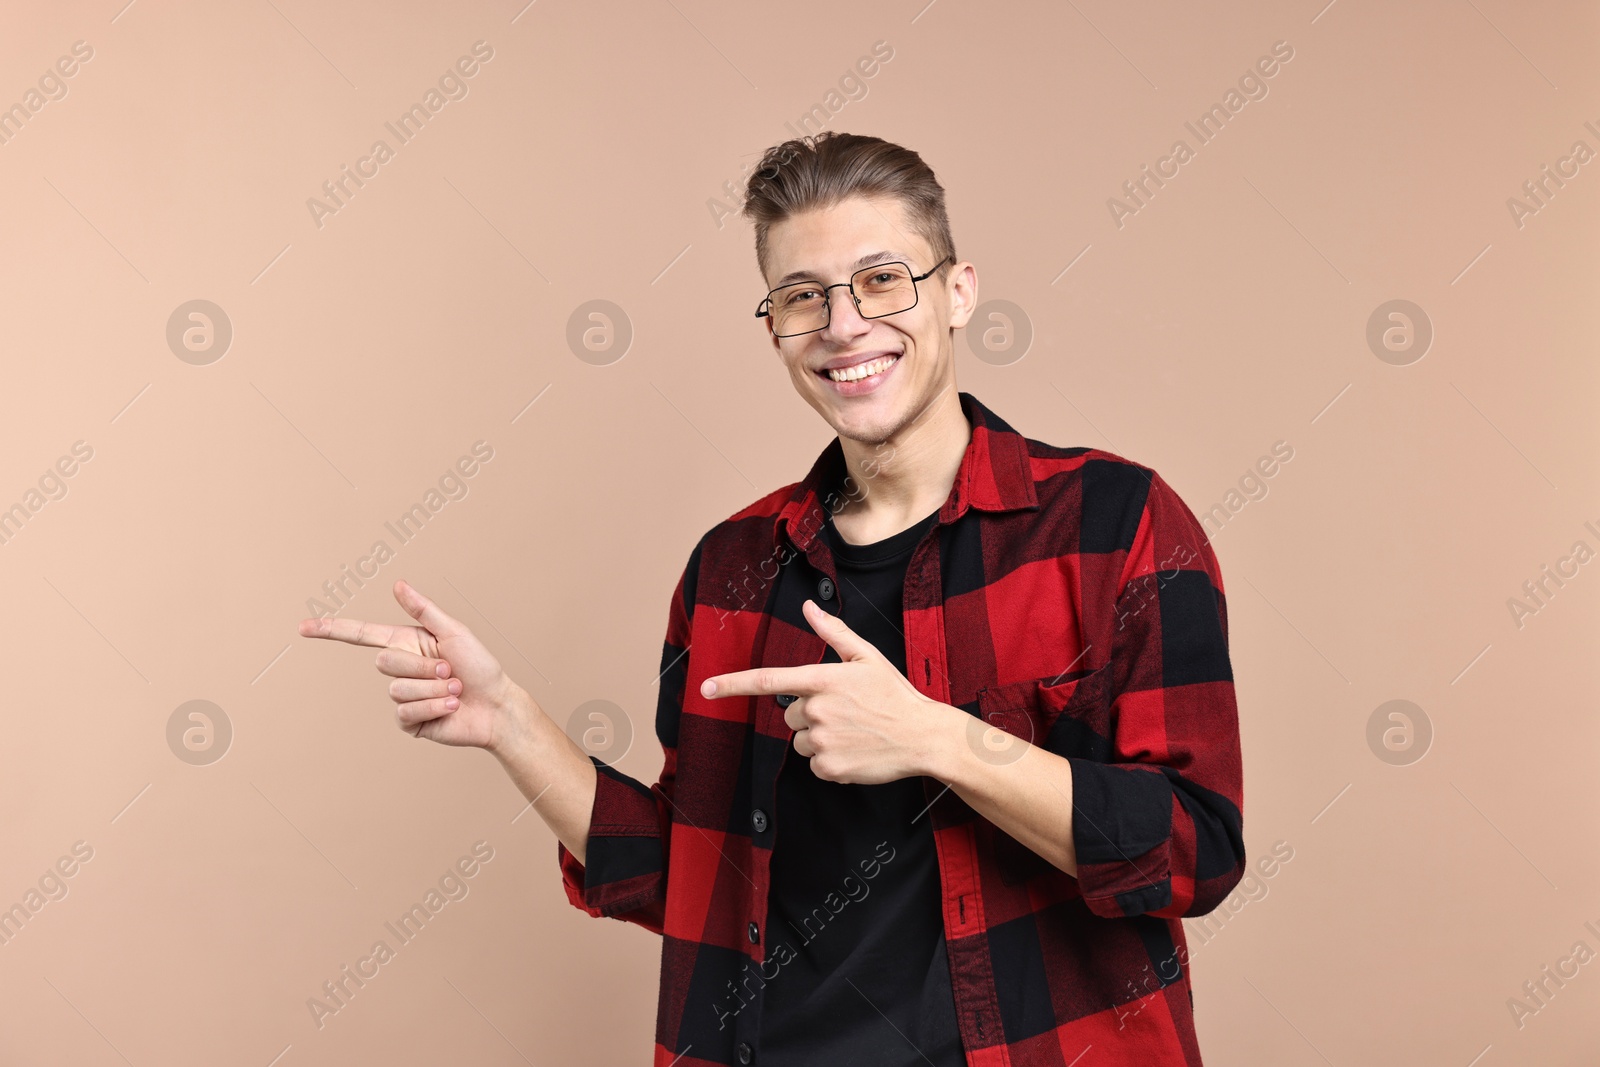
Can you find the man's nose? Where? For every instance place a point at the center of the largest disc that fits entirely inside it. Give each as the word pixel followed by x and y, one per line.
pixel 844 318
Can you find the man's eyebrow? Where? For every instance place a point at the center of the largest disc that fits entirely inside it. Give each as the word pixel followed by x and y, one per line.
pixel 865 261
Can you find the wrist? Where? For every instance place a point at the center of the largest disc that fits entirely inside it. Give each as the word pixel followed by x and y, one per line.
pixel 514 710
pixel 946 742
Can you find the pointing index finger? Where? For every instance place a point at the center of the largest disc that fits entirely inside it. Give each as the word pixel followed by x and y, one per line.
pixel 801 681
pixel 350 631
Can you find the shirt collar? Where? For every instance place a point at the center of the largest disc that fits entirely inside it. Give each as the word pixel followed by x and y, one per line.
pixel 995 475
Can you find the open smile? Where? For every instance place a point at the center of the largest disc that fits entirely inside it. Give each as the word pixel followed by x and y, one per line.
pixel 861 378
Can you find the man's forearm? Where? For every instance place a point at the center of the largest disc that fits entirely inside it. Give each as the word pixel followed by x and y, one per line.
pixel 549 768
pixel 1027 792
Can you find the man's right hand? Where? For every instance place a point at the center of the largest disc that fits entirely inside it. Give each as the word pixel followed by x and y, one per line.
pixel 447 686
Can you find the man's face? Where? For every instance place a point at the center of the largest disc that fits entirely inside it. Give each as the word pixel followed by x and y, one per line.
pixel 828 246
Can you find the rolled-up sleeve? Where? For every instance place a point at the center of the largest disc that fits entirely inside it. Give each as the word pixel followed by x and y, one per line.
pixel 624 875
pixel 1158 828
pixel 629 828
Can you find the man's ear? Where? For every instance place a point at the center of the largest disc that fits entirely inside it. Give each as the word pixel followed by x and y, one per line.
pixel 963 293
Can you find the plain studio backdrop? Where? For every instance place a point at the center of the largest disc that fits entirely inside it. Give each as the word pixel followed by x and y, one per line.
pixel 231 369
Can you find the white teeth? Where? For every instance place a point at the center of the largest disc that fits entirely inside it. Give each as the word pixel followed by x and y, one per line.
pixel 862 370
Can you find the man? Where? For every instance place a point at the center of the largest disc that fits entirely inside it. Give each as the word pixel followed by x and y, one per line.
pixel 949 728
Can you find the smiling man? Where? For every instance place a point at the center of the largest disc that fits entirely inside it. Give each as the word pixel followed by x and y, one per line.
pixel 949 731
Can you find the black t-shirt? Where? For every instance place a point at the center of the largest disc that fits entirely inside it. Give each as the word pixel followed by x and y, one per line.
pixel 855 882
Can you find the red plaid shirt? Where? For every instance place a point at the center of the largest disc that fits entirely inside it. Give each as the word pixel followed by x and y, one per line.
pixel 1065 595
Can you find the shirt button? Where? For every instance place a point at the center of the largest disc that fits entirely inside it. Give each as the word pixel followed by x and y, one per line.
pixel 825 589
pixel 755 934
pixel 744 1052
pixel 784 700
pixel 758 819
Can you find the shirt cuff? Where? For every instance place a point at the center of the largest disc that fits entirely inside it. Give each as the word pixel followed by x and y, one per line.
pixel 1122 832
pixel 623 868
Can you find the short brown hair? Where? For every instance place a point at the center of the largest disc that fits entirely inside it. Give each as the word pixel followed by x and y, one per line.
pixel 818 171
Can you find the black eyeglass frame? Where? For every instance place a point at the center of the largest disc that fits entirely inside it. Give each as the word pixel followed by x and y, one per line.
pixel 763 309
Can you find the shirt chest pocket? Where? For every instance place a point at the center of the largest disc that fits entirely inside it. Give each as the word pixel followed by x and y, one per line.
pixel 1069 719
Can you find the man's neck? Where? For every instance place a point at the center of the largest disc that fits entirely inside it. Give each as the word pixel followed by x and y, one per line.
pixel 895 483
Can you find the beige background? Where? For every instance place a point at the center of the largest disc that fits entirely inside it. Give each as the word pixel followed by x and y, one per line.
pixel 432 310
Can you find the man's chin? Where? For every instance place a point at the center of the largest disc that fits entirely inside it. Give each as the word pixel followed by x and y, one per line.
pixel 864 425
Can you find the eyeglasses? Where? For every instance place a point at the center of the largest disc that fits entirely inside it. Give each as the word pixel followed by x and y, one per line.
pixel 879 290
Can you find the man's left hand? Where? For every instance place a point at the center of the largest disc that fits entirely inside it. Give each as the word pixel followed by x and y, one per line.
pixel 859 720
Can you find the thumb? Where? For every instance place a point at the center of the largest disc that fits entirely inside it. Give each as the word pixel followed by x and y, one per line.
pixel 832 629
pixel 424 610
